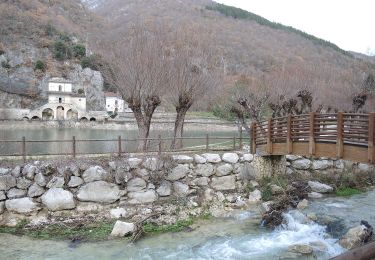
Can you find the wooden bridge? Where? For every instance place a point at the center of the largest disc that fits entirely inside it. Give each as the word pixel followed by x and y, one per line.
pixel 340 135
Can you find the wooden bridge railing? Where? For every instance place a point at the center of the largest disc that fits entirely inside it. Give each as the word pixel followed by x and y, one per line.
pixel 340 135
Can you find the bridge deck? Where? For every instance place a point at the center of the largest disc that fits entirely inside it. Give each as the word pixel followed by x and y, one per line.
pixel 347 136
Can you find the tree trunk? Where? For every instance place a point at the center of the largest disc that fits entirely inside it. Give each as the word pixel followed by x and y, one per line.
pixel 179 128
pixel 142 128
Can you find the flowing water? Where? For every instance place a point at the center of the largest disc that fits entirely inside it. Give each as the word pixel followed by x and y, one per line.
pixel 238 236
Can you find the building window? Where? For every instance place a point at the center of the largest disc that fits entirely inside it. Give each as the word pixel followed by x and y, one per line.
pixel 60 100
pixel 79 99
pixel 60 88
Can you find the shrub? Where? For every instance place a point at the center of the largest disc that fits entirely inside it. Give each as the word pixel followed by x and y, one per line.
pixel 5 64
pixel 50 30
pixel 40 65
pixel 79 50
pixel 61 51
pixel 81 91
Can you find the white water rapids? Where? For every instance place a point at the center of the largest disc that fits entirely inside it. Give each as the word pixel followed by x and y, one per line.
pixel 238 236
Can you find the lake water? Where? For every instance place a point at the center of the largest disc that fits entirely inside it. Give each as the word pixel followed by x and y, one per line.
pixel 36 148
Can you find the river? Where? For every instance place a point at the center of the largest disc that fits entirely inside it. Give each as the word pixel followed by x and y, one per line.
pixel 238 236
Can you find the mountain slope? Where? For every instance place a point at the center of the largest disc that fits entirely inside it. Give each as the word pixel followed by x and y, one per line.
pixel 252 46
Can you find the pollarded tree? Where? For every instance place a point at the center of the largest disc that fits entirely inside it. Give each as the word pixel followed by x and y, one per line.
pixel 193 74
pixel 140 71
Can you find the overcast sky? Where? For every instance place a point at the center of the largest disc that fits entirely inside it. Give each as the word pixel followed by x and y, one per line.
pixel 350 24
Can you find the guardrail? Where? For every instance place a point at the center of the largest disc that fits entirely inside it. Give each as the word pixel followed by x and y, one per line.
pixel 118 146
pixel 339 135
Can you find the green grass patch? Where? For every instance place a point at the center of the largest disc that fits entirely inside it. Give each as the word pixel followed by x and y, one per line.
pixel 178 226
pixel 204 114
pixel 346 191
pixel 88 232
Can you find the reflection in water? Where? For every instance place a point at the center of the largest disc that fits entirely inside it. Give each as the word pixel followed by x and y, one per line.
pixel 97 134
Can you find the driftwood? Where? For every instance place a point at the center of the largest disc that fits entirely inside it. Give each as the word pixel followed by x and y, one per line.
pixel 295 193
pixel 139 231
pixel 364 252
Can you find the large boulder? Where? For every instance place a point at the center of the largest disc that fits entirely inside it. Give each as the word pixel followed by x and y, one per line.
pixel 136 184
pixel 40 179
pixel 180 189
pixel 4 171
pixel 142 197
pixel 58 199
pixel 255 196
pixel 152 164
pixel 320 187
pixel 301 164
pixel 165 189
pixel 182 159
pixel 178 172
pixel 23 183
pixel 56 182
pixel 322 164
pixel 247 157
pixel 199 159
pixel 35 191
pixel 99 191
pixel 212 157
pixel 122 228
pixel 201 181
pixel 224 183
pixel 29 171
pixel 15 193
pixel 134 162
pixel 205 170
pixel 2 195
pixel 95 173
pixel 7 181
pixel 230 157
pixel 22 206
pixel 75 181
pixel 224 169
pixel 356 236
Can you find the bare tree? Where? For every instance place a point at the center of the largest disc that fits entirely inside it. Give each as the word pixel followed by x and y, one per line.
pixel 193 74
pixel 140 71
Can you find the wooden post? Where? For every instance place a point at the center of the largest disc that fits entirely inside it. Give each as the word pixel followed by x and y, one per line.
pixel 340 130
pixel 253 136
pixel 371 141
pixel 311 134
pixel 234 143
pixel 269 136
pixel 289 141
pixel 24 149
pixel 119 146
pixel 160 145
pixel 74 147
pixel 241 142
pixel 207 142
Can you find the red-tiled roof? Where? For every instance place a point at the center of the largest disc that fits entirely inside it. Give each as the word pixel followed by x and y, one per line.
pixel 111 94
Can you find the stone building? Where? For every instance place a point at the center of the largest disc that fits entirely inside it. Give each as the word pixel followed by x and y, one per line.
pixel 114 103
pixel 63 102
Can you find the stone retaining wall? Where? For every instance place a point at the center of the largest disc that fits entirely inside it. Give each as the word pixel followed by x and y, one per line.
pixel 41 190
pixel 130 188
pixel 330 168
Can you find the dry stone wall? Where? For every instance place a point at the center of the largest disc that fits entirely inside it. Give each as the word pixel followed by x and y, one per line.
pixel 44 188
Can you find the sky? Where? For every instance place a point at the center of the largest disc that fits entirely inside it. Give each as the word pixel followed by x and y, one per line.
pixel 350 24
